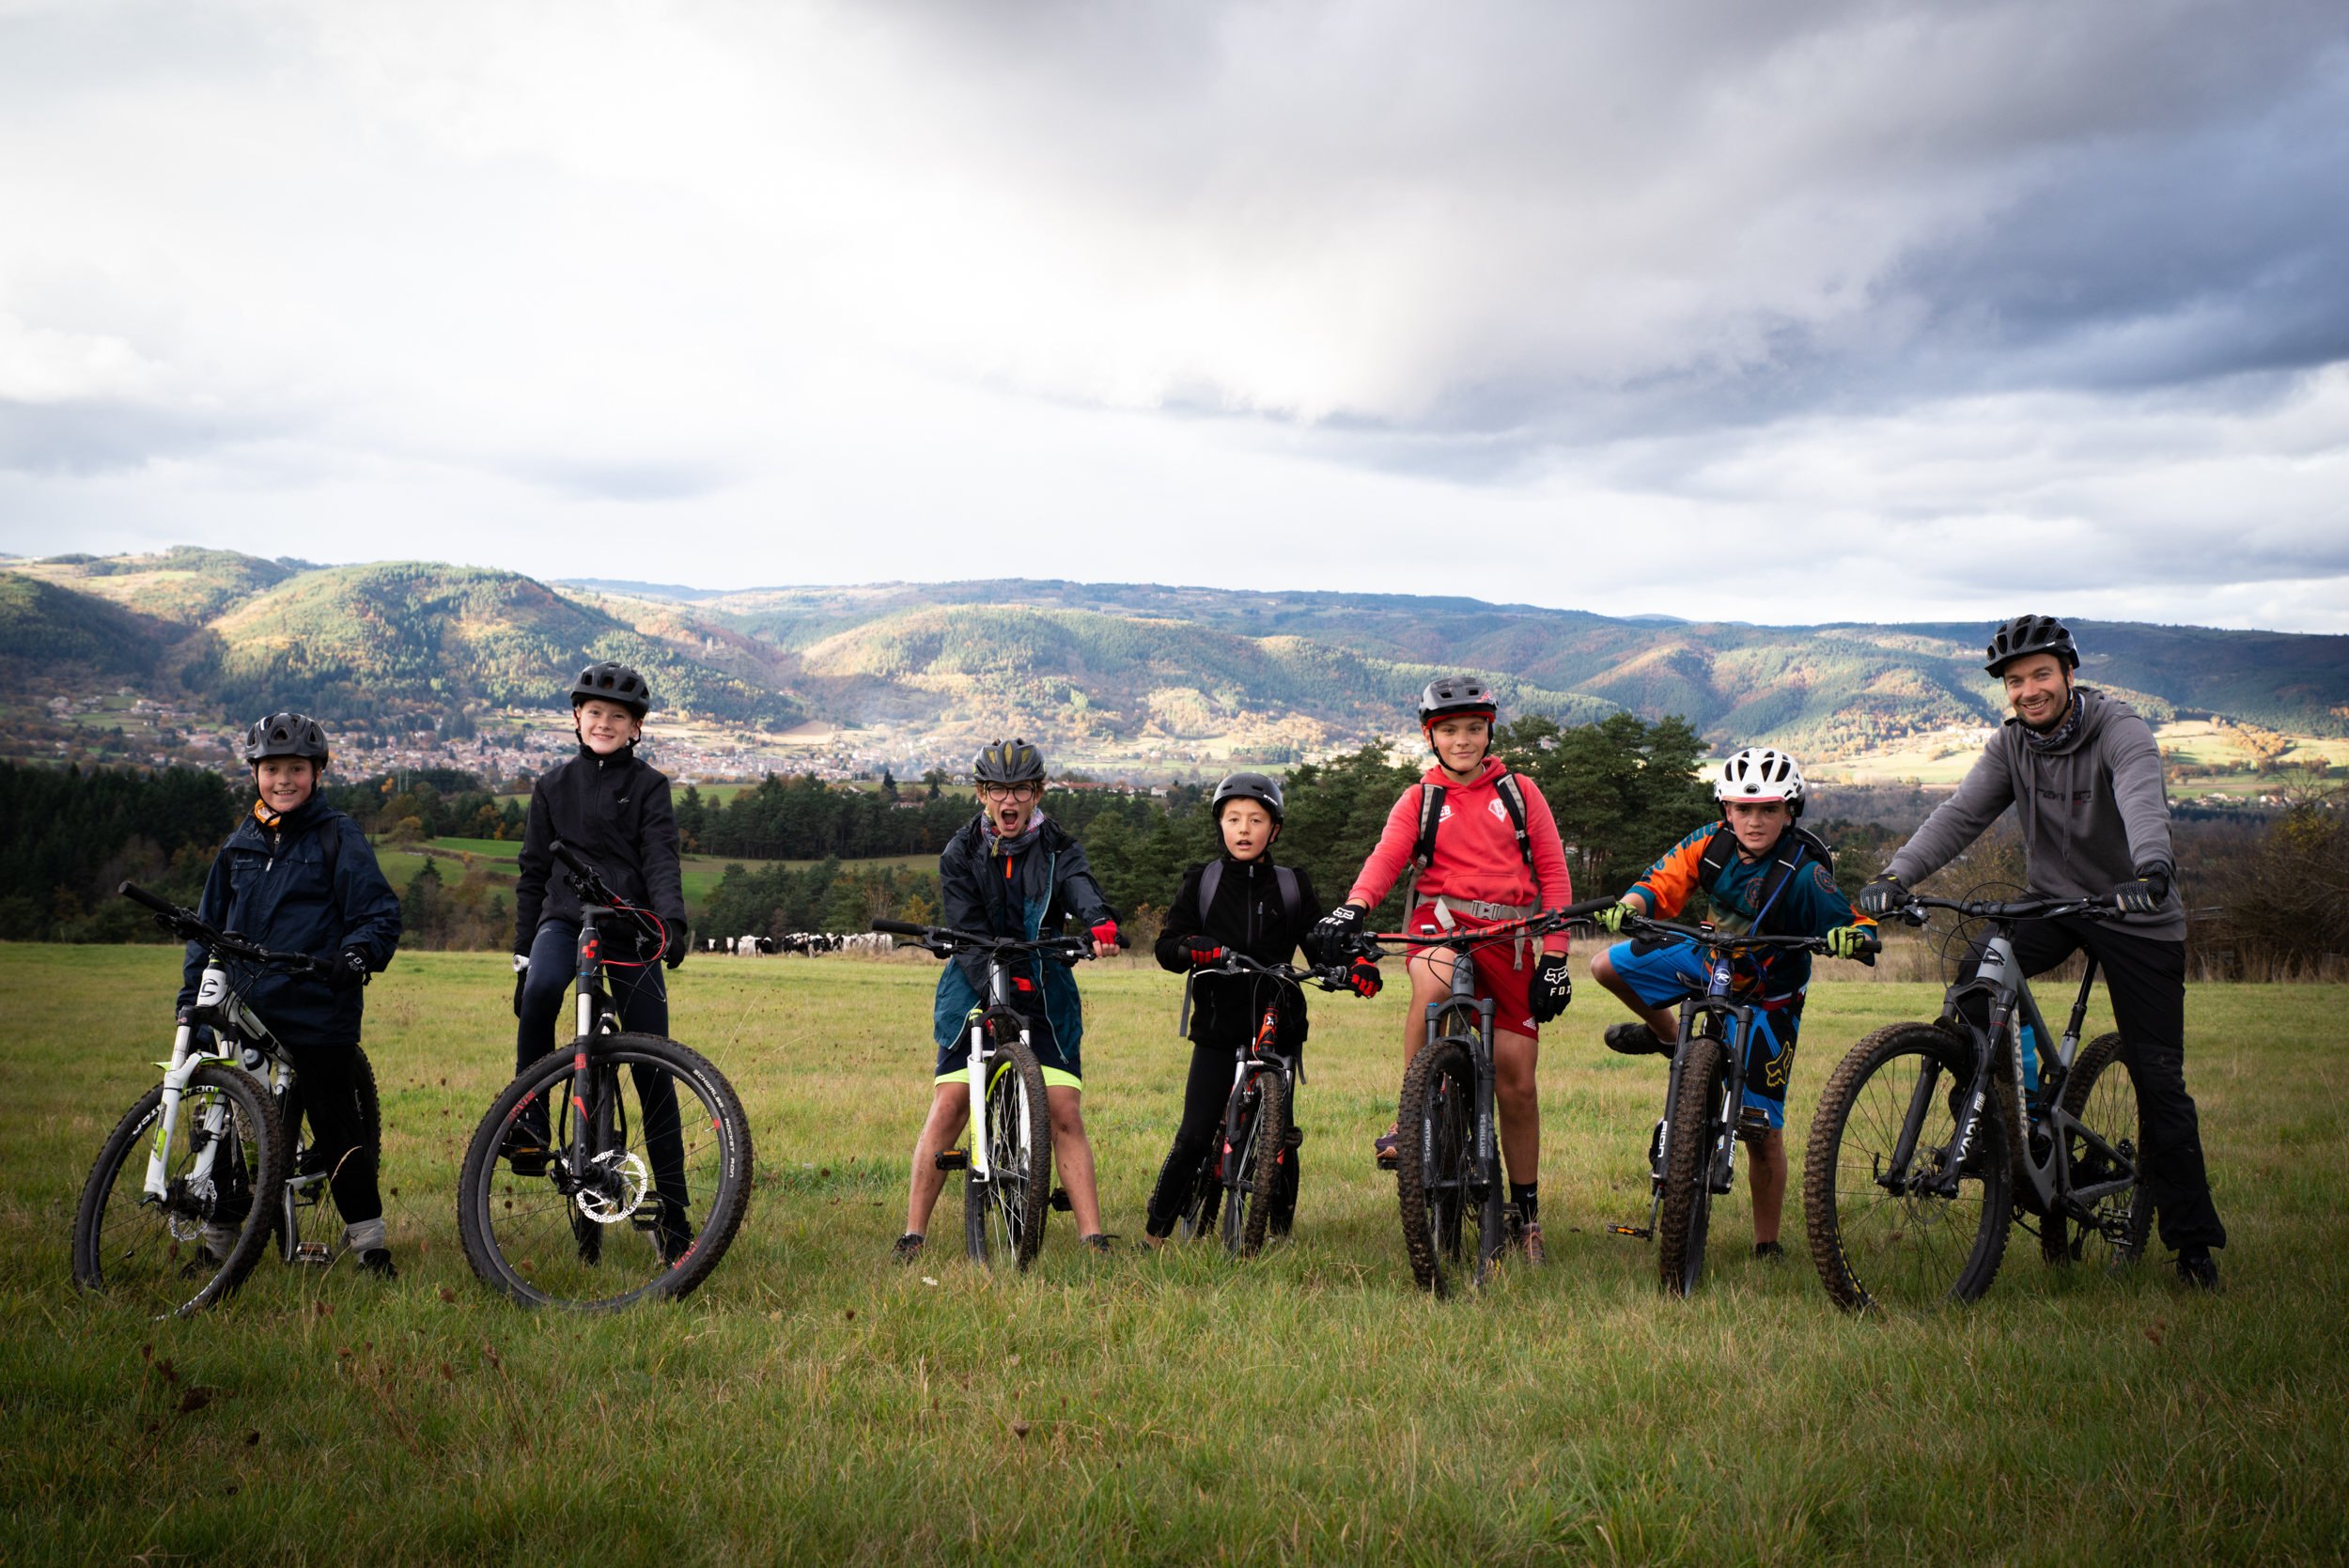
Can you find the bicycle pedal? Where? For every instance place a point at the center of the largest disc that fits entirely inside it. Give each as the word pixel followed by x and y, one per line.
pixel 1638 1233
pixel 316 1253
pixel 1060 1201
pixel 952 1160
pixel 1295 1139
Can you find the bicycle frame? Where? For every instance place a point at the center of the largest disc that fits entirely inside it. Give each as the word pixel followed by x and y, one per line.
pixel 1998 979
pixel 1737 1025
pixel 1486 1164
pixel 984 1055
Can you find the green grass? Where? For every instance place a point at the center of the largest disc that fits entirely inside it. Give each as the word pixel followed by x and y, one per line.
pixel 817 1402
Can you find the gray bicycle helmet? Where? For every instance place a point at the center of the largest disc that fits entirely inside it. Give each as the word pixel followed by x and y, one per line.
pixel 1450 696
pixel 2028 634
pixel 1260 788
pixel 612 683
pixel 286 735
pixel 1008 762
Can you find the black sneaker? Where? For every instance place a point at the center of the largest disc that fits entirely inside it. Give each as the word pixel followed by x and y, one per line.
pixel 1635 1039
pixel 378 1261
pixel 908 1247
pixel 1770 1250
pixel 2199 1269
pixel 525 1148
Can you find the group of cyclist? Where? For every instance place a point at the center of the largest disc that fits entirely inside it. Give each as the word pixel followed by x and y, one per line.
pixel 1476 842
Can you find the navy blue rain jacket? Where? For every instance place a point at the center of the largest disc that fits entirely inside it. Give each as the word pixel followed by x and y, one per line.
pixel 272 887
pixel 1050 881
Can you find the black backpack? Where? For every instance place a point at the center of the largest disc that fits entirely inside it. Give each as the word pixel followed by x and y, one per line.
pixel 1211 877
pixel 1431 816
pixel 1796 847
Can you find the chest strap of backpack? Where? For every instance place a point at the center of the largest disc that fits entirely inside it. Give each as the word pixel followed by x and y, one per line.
pixel 1211 878
pixel 1795 846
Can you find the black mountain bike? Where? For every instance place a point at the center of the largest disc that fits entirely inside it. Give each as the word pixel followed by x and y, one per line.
pixel 1448 1166
pixel 1007 1169
pixel 1253 1167
pixel 195 1178
pixel 1693 1152
pixel 606 1218
pixel 1928 1141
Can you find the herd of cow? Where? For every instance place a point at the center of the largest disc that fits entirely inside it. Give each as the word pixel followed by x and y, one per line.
pixel 809 942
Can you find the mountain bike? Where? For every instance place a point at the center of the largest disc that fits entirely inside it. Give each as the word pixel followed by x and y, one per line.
pixel 221 1156
pixel 1007 1169
pixel 1692 1151
pixel 1908 1188
pixel 1254 1167
pixel 604 1218
pixel 1448 1164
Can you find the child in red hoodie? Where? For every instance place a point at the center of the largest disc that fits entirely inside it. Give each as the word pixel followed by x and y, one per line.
pixel 1497 858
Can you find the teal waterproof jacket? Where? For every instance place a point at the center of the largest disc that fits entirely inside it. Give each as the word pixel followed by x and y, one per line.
pixel 1051 880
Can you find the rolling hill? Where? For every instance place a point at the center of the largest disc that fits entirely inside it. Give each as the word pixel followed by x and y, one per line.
pixel 1077 664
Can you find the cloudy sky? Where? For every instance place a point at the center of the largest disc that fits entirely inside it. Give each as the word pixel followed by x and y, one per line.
pixel 1784 312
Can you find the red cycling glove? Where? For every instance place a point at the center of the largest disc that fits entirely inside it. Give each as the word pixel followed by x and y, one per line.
pixel 1361 975
pixel 1205 957
pixel 1106 933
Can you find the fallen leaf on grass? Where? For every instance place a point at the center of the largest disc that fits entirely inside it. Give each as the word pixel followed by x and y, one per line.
pixel 852 1313
pixel 164 1366
pixel 2154 1329
pixel 253 1440
pixel 448 1295
pixel 1020 1430
pixel 195 1400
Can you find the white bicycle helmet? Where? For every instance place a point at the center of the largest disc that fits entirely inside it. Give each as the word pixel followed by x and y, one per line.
pixel 1760 773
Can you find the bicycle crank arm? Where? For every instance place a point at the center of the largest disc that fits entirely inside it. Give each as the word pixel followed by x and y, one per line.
pixel 1638 1233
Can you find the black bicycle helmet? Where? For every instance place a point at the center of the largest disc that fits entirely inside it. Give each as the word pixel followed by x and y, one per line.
pixel 1260 788
pixel 2027 635
pixel 612 683
pixel 1008 762
pixel 1451 696
pixel 286 735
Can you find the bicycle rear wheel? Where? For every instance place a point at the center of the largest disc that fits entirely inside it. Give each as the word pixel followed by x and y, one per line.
pixel 2102 1092
pixel 1003 1217
pixel 309 1214
pixel 665 1193
pixel 180 1256
pixel 1436 1158
pixel 1206 1197
pixel 1878 1246
pixel 1696 1130
pixel 1261 1160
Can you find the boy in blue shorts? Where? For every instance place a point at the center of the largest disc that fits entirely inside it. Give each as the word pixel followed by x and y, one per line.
pixel 1765 875
pixel 1013 872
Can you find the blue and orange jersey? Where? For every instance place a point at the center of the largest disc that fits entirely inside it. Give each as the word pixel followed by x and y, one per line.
pixel 1810 904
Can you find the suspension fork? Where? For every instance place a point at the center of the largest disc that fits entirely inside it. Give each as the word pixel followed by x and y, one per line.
pixel 1723 1172
pixel 587 996
pixel 177 1072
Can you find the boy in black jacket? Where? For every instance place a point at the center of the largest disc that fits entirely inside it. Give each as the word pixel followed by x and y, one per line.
pixel 612 810
pixel 1264 911
pixel 297 876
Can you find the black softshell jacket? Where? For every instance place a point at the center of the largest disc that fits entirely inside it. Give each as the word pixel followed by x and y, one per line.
pixel 1249 916
pixel 976 897
pixel 614 813
pixel 274 887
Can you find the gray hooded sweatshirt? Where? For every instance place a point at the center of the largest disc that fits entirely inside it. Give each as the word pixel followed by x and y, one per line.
pixel 2093 811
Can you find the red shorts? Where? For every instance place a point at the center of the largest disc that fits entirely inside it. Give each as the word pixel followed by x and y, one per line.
pixel 1497 975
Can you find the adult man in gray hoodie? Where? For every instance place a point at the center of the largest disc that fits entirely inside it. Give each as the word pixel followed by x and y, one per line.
pixel 2086 775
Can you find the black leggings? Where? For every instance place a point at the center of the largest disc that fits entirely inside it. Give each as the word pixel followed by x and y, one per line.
pixel 641 996
pixel 326 1084
pixel 2146 980
pixel 1206 1092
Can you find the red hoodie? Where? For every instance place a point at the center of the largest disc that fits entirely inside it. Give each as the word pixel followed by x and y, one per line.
pixel 1476 849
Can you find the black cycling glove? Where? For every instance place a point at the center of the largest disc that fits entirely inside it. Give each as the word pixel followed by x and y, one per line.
pixel 1338 933
pixel 348 970
pixel 681 942
pixel 1882 897
pixel 2149 893
pixel 1551 989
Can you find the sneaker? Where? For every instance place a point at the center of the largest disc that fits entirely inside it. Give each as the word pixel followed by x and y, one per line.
pixel 525 1149
pixel 1770 1250
pixel 1635 1039
pixel 675 1234
pixel 1100 1241
pixel 2199 1269
pixel 378 1261
pixel 908 1247
pixel 1387 1147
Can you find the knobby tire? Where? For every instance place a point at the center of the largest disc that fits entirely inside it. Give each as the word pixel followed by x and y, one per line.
pixel 2102 1092
pixel 1261 1164
pixel 520 1231
pixel 1687 1213
pixel 1878 1249
pixel 1435 1158
pixel 1003 1219
pixel 135 1253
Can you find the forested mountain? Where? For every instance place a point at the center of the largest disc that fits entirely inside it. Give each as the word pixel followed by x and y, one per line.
pixel 1074 664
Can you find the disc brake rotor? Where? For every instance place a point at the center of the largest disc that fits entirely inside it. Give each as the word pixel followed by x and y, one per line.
pixel 618 1185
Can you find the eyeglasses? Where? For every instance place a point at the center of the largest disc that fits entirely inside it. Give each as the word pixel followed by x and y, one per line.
pixel 1011 792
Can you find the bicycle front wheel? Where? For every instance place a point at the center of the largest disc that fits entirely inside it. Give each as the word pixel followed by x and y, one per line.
pixel 2102 1092
pixel 1886 1239
pixel 665 1177
pixel 179 1254
pixel 1436 1158
pixel 1003 1217
pixel 1261 1162
pixel 1697 1126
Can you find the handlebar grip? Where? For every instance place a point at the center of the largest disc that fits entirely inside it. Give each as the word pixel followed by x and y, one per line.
pixel 1588 907
pixel 1123 939
pixel 137 894
pixel 570 862
pixel 899 929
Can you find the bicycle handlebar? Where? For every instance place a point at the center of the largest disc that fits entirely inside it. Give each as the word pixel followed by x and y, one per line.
pixel 586 880
pixel 941 939
pixel 2042 906
pixel 1235 962
pixel 1640 924
pixel 1542 925
pixel 189 926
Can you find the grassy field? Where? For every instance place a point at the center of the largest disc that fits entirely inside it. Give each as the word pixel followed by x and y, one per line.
pixel 814 1402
